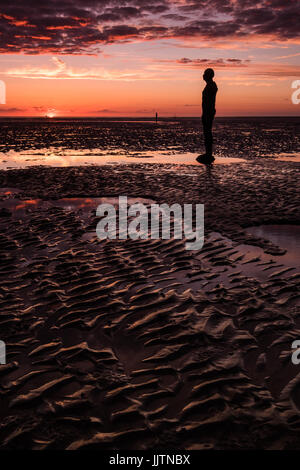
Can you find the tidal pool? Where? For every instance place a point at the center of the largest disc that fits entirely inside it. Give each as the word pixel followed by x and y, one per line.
pixel 284 236
pixel 56 157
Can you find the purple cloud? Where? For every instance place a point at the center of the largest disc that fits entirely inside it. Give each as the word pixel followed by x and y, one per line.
pixel 82 26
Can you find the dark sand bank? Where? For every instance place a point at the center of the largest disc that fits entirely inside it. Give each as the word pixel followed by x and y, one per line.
pixel 143 344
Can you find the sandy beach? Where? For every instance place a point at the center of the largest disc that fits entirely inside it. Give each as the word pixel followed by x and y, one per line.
pixel 143 344
pixel 149 230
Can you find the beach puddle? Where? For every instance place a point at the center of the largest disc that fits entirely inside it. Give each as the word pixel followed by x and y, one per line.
pixel 8 192
pixel 285 157
pixel 20 207
pixel 286 237
pixel 288 157
pixel 229 264
pixel 57 157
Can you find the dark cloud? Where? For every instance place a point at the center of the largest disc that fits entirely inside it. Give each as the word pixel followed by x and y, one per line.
pixel 105 111
pixel 217 63
pixel 6 110
pixel 119 14
pixel 155 9
pixel 82 26
pixel 172 16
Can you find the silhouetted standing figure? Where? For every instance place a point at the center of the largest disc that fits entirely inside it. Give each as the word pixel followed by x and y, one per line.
pixel 208 111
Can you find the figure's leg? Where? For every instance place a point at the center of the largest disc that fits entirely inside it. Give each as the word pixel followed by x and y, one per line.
pixel 204 130
pixel 208 136
pixel 207 131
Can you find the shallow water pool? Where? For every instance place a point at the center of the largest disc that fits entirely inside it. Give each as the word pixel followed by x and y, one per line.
pixel 284 236
pixel 56 157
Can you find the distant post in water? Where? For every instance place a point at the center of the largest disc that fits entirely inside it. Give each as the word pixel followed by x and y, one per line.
pixel 156 117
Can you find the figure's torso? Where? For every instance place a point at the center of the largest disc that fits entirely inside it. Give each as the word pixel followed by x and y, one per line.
pixel 209 98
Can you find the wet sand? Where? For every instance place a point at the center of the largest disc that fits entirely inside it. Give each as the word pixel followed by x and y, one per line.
pixel 143 344
pixel 245 138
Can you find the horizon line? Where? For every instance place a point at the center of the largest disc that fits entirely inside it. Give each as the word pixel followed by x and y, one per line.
pixel 145 117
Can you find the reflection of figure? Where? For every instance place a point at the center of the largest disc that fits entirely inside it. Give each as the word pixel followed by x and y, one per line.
pixel 211 179
pixel 208 112
pixel 209 174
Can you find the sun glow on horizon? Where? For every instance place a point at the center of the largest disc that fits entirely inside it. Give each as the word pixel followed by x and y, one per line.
pixel 51 114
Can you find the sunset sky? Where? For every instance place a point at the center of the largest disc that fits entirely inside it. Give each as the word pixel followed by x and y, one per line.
pixel 136 57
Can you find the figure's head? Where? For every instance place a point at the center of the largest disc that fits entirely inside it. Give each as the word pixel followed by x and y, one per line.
pixel 208 75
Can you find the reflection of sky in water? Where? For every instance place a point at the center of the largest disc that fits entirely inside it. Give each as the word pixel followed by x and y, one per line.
pixel 284 236
pixel 19 207
pixel 63 158
pixel 286 157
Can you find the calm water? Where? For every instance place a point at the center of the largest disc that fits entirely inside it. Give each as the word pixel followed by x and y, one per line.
pixel 61 157
pixel 284 236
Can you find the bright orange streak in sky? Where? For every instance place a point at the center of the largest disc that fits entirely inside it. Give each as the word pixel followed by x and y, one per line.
pixel 144 97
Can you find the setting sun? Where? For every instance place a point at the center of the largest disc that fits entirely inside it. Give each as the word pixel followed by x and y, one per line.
pixel 50 114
